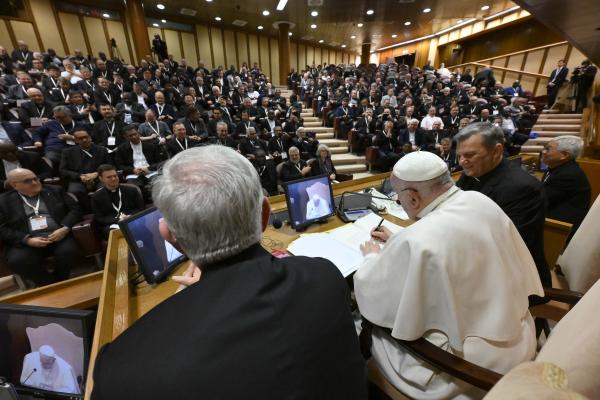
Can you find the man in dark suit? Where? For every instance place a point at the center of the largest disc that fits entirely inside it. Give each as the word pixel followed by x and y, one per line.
pixel 107 132
pixel 295 168
pixel 79 164
pixel 244 125
pixel 137 159
pixel 37 107
pixel 179 141
pixel 365 127
pixel 557 78
pixel 104 94
pixel 565 184
pixel 387 142
pixel 19 91
pixel 251 144
pixel 241 303
pixel 35 222
pixel 22 56
pixel 585 79
pixel 11 157
pixel 164 112
pixel 480 148
pixel 113 201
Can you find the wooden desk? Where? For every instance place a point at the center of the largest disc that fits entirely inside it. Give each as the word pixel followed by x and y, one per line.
pixel 120 304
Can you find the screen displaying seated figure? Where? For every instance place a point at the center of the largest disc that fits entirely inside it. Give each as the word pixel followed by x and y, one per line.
pixel 155 257
pixel 45 351
pixel 309 200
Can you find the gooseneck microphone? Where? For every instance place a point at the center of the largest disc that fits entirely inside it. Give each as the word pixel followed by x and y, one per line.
pixel 29 376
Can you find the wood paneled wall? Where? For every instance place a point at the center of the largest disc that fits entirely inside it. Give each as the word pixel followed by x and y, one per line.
pixel 522 35
pixel 214 45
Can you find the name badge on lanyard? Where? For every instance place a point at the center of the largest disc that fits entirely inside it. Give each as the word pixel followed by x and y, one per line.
pixel 37 222
pixel 111 140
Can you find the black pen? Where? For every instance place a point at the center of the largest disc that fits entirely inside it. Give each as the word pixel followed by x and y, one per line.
pixel 378 227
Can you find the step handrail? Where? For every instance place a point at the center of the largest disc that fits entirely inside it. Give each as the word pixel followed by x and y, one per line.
pixel 516 71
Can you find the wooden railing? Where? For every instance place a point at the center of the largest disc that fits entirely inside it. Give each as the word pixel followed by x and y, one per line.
pixel 537 78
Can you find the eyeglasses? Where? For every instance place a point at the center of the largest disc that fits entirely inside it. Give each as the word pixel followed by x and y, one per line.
pixel 29 181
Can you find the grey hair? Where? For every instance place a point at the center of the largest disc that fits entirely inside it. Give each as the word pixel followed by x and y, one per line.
pixel 413 121
pixel 293 149
pixel 250 129
pixel 569 144
pixel 490 135
pixel 221 124
pixel 211 199
pixel 431 186
pixel 62 109
pixel 323 147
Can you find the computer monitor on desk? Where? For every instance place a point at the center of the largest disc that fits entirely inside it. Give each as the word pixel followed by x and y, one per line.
pixel 309 200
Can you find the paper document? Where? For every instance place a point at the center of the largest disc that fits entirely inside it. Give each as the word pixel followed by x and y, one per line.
pixel 325 246
pixel 390 206
pixel 341 246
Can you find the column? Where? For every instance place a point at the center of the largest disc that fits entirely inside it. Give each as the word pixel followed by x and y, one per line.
pixel 284 52
pixel 137 23
pixel 365 53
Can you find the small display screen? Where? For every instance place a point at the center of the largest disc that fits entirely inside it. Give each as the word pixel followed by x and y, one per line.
pixel 155 257
pixel 309 200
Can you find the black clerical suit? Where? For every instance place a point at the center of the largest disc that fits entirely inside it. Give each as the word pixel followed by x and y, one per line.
pixel 568 192
pixel 521 197
pixel 106 203
pixel 14 230
pixel 291 171
pixel 246 330
pixel 30 110
pixel 175 145
pixel 75 161
pixel 108 134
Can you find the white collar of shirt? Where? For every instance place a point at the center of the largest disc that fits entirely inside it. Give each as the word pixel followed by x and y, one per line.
pixel 439 200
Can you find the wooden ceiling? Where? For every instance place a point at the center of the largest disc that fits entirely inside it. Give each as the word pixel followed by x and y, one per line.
pixel 337 20
pixel 578 21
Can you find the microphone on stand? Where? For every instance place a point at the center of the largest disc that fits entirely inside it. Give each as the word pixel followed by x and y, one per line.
pixel 29 376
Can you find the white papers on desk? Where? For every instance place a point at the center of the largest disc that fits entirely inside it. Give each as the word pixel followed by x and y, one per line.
pixel 391 207
pixel 325 246
pixel 148 175
pixel 341 246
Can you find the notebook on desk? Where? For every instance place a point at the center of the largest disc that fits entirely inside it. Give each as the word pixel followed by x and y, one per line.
pixel 341 246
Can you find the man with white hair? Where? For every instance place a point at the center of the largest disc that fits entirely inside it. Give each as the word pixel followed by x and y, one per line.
pixel 565 184
pixel 44 369
pixel 468 297
pixel 245 315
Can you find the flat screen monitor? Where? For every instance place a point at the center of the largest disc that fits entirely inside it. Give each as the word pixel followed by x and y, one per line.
pixel 309 200
pixel 156 257
pixel 45 352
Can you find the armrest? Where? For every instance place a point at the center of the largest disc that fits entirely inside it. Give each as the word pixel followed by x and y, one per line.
pixel 452 365
pixel 372 154
pixel 84 233
pixel 563 296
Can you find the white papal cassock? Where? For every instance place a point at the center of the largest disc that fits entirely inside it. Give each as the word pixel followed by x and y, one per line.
pixel 59 378
pixel 459 277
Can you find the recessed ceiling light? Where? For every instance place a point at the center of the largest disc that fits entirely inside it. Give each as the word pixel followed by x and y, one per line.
pixel 370 12
pixel 460 21
pixel 160 6
pixel 217 18
pixel 321 41
pixel 485 8
pixel 426 10
pixel 266 13
pixel 314 26
pixel 281 5
pixel 164 21
pixel 155 25
pixel 353 37
pixel 209 1
pixel 260 27
pixel 314 13
pixel 290 33
pixel 394 35
pixel 343 46
pixel 105 15
pixel 407 23
pixel 360 25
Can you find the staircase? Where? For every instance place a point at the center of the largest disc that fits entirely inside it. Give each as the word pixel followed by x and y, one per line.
pixel 345 162
pixel 550 125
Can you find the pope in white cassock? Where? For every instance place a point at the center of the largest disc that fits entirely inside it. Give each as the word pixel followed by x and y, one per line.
pixel 460 277
pixel 44 369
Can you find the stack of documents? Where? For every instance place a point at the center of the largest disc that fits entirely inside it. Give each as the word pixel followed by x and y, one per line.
pixel 341 246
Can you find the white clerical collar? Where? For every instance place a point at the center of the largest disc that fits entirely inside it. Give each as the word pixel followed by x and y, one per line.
pixel 439 200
